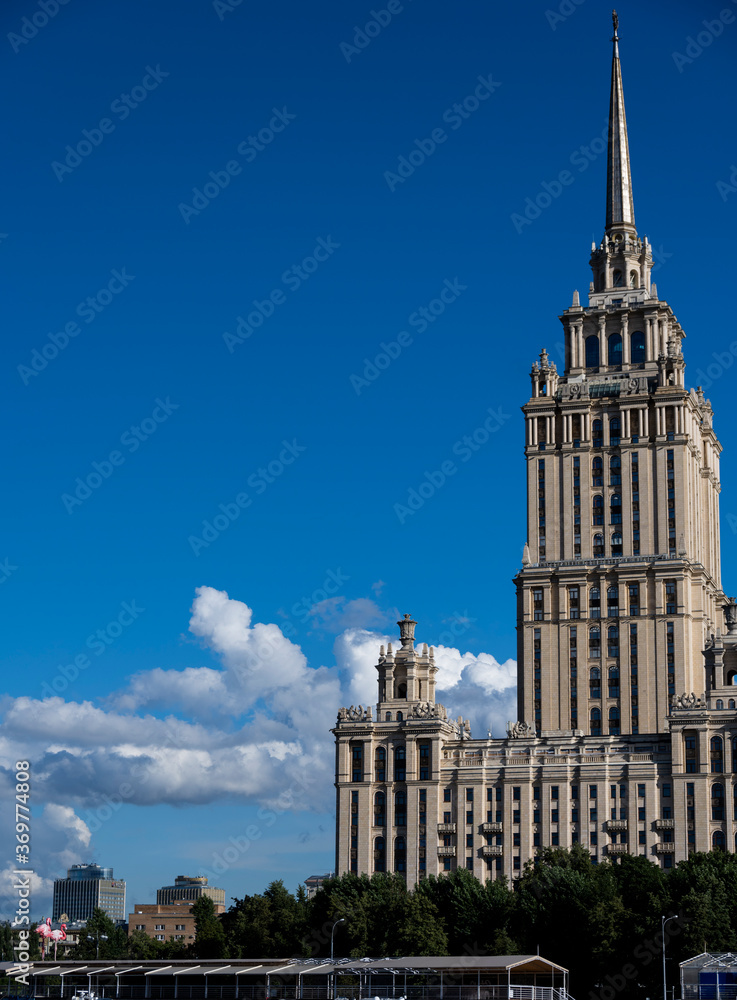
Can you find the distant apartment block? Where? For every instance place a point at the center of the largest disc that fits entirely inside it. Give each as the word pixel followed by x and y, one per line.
pixel 188 888
pixel 86 888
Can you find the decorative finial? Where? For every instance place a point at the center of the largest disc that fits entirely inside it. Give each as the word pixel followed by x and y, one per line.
pixel 576 299
pixel 615 22
pixel 407 632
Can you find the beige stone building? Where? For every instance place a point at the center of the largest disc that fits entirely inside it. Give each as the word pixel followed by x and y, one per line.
pixel 620 615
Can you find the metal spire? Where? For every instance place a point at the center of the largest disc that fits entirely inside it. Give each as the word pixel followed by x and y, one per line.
pixel 620 209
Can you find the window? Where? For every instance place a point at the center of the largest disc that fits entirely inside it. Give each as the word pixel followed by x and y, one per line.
pixel 554 792
pixel 637 347
pixel 598 547
pixel 595 683
pixel 573 606
pixel 597 473
pixel 597 430
pixel 160 927
pixel 718 841
pixel 640 791
pixel 615 470
pixel 469 795
pixel 424 761
pixel 617 543
pixel 634 596
pixel 400 763
pixel 670 597
pixel 469 816
pixel 641 814
pixel 537 604
pixel 592 791
pixel 613 677
pixel 469 864
pixel 380 764
pixel 592 351
pixel 615 509
pixel 469 840
pixel 400 809
pixel 516 793
pixel 379 854
pixel 597 507
pixel 614 721
pixel 594 603
pixel 400 855
pixel 615 348
pixel 380 809
pixel 666 791
pixel 716 755
pixel 612 602
pixel 595 722
pixel 595 642
pixel 612 650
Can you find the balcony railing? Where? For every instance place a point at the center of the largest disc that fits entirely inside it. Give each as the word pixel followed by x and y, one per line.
pixel 446 852
pixel 446 828
pixel 665 848
pixel 617 849
pixel 616 824
pixel 491 827
pixel 665 824
pixel 492 850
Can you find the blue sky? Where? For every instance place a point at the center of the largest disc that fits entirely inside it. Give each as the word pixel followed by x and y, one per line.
pixel 215 532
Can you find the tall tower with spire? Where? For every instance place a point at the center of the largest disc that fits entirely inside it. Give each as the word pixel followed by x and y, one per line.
pixel 620 585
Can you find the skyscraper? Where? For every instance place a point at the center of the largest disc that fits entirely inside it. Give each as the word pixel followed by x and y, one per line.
pixel 85 888
pixel 620 614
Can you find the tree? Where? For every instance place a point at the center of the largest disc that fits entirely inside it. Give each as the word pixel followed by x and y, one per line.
pixel 209 939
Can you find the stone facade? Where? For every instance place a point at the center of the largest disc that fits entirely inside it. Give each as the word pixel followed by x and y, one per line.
pixel 627 646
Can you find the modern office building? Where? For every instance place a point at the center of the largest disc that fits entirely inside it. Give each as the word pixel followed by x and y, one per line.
pixel 189 888
pixel 85 888
pixel 627 646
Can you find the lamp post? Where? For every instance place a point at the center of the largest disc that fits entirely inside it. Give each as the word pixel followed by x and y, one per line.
pixel 663 922
pixel 341 920
pixel 97 938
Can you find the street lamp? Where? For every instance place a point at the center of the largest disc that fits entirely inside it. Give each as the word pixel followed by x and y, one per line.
pixel 97 938
pixel 341 920
pixel 663 922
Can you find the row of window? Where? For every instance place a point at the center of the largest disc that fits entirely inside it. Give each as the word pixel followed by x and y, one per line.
pixel 575 609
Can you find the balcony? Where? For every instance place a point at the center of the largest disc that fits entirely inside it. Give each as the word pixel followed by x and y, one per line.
pixel 491 827
pixel 617 848
pixel 446 828
pixel 665 824
pixel 446 852
pixel 616 824
pixel 665 848
pixel 492 850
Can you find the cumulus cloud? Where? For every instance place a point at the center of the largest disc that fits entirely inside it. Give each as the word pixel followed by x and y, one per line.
pixel 252 728
pixel 335 614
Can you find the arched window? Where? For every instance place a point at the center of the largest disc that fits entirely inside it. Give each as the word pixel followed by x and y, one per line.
pixel 615 470
pixel 617 279
pixel 594 603
pixel 598 546
pixel 597 433
pixel 717 841
pixel 615 509
pixel 716 754
pixel 634 279
pixel 592 351
pixel 731 703
pixel 617 543
pixel 597 472
pixel 720 703
pixel 401 690
pixel 614 682
pixel 612 602
pixel 614 721
pixel 615 349
pixel 400 855
pixel 400 808
pixel 717 801
pixel 388 716
pixel 615 431
pixel 595 722
pixel 691 748
pixel 595 683
pixel 400 763
pixel 400 717
pixel 598 509
pixel 379 854
pixel 380 764
pixel 612 650
pixel 379 809
pixel 637 347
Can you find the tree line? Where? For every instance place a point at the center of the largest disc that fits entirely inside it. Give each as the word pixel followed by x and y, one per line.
pixel 602 922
